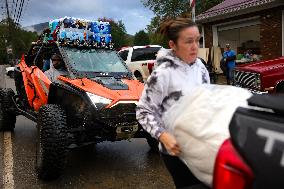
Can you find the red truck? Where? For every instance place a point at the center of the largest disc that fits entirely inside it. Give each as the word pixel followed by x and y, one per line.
pixel 253 158
pixel 261 77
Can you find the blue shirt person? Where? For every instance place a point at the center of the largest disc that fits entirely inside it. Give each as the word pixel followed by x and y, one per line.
pixel 229 56
pixel 46 65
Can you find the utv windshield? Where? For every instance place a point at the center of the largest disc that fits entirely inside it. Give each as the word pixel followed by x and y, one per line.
pixel 95 61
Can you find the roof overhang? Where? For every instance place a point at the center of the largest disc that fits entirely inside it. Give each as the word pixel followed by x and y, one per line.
pixel 237 11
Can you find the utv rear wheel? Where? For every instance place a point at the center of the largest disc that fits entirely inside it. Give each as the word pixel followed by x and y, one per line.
pixel 52 142
pixel 7 116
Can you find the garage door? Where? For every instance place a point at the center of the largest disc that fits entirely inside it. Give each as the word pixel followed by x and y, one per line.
pixel 241 39
pixel 240 34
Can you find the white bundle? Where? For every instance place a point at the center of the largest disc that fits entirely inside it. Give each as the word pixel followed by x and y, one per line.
pixel 200 121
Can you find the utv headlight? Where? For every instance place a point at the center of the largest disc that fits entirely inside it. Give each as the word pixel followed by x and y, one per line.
pixel 98 101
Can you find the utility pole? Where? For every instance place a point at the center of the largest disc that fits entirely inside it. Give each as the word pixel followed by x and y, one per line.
pixel 9 48
pixel 8 14
pixel 8 21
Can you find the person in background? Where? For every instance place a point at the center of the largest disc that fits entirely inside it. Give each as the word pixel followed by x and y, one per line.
pixel 56 69
pixel 178 73
pixel 229 56
pixel 46 63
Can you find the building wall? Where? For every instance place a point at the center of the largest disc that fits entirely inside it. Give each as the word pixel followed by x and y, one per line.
pixel 271 34
pixel 270 31
pixel 208 33
pixel 249 33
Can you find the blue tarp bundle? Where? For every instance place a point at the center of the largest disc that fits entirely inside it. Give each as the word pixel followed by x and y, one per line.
pixel 73 29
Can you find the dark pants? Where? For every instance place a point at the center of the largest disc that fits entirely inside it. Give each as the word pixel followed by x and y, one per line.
pixel 180 173
pixel 229 74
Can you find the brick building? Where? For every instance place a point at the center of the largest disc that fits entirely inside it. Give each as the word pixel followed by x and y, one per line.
pixel 245 24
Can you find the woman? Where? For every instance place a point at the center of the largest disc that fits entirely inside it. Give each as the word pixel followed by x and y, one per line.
pixel 179 71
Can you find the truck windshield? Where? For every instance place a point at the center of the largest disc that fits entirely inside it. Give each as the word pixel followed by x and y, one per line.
pixel 95 60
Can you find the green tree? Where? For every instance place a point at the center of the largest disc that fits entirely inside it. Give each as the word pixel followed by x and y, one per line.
pixel 129 39
pixel 164 9
pixel 154 36
pixel 118 33
pixel 203 5
pixel 167 8
pixel 141 38
pixel 12 35
pixel 173 8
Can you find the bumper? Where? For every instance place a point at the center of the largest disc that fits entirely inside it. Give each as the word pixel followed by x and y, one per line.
pixel 117 123
pixel 254 91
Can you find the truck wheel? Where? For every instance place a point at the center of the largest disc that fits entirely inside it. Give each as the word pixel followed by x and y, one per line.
pixel 280 89
pixel 7 117
pixel 52 142
pixel 152 142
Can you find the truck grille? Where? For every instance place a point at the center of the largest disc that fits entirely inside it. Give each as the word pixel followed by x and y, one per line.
pixel 245 79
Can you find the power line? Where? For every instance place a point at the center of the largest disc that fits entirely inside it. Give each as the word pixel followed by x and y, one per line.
pixel 20 11
pixel 12 9
pixel 24 10
pixel 8 14
pixel 15 9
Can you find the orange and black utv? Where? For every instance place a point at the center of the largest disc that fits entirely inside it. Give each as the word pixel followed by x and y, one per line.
pixel 94 102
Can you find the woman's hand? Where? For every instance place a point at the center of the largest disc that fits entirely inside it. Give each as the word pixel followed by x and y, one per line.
pixel 170 143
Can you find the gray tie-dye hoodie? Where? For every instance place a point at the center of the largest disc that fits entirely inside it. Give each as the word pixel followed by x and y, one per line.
pixel 172 79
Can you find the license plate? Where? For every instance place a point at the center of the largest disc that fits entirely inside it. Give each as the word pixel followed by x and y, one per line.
pixel 126 131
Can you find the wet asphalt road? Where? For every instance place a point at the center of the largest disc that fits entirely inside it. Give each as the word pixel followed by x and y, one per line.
pixel 108 165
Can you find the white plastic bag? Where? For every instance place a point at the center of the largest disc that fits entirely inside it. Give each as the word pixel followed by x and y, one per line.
pixel 200 121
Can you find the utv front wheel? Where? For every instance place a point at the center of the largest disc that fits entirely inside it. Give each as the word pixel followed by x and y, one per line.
pixel 52 142
pixel 7 116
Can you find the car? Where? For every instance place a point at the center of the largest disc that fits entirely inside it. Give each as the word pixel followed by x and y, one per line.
pixel 141 60
pixel 261 77
pixel 94 102
pixel 253 155
pixel 10 71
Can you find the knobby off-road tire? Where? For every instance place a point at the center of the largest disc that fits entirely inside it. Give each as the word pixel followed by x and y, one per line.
pixel 7 116
pixel 52 142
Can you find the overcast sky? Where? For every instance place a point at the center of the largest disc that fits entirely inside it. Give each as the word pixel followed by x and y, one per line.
pixel 132 12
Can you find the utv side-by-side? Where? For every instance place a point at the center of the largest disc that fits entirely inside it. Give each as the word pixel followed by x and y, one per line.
pixel 95 101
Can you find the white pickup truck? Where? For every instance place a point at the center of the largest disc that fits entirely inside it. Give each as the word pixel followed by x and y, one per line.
pixel 140 60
